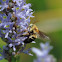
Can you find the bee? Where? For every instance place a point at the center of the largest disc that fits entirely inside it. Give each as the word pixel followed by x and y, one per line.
pixel 32 33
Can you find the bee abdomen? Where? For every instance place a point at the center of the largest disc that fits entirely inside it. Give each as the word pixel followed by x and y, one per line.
pixel 29 40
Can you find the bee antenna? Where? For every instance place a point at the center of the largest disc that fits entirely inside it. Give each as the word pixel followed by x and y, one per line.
pixel 35 21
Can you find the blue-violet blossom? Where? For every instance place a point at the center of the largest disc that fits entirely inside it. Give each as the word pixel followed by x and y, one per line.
pixel 14 21
pixel 43 53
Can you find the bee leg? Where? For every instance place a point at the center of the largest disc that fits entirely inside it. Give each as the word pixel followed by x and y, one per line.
pixel 22 49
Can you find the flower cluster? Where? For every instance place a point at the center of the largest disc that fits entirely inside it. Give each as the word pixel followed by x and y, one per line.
pixel 43 54
pixel 14 21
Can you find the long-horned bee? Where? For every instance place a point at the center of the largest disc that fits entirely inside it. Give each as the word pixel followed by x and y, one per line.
pixel 32 34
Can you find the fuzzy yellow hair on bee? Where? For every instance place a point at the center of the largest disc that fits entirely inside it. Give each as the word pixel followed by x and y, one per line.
pixel 32 33
pixel 35 29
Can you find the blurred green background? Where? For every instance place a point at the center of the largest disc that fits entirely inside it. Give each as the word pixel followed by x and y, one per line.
pixel 48 13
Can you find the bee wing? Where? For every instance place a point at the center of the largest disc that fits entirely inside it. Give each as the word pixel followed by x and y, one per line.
pixel 43 36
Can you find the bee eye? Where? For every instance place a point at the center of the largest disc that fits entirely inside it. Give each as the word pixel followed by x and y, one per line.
pixel 30 25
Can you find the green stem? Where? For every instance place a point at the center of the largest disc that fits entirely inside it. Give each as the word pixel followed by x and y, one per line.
pixel 13 59
pixel 9 59
pixel 18 58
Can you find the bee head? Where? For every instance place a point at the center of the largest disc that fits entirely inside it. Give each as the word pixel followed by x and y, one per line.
pixel 33 27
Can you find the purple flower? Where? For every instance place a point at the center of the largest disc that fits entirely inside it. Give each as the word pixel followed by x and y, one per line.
pixel 27 51
pixel 42 55
pixel 18 2
pixel 3 53
pixel 46 47
pixel 4 4
pixel 5 18
pixel 48 58
pixel 14 21
pixel 6 25
pixel 23 14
